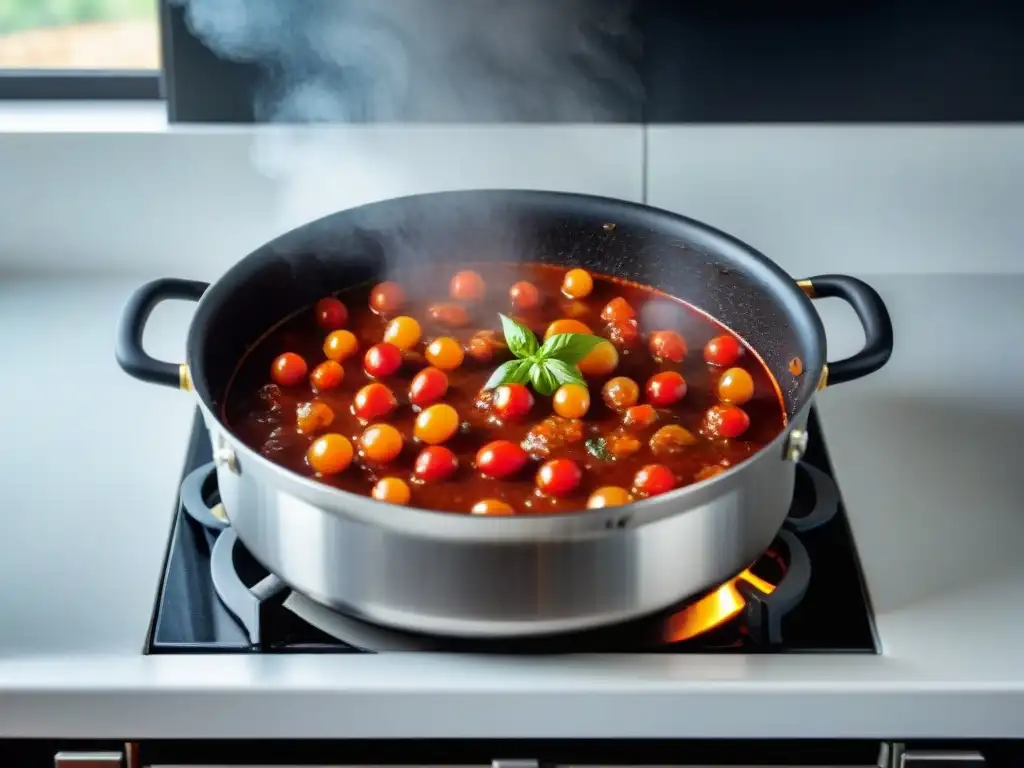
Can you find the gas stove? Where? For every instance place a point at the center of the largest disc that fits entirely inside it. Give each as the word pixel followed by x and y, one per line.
pixel 806 594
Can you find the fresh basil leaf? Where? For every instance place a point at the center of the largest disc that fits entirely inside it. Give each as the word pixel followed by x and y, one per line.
pixel 564 373
pixel 520 339
pixel 597 448
pixel 511 372
pixel 570 347
pixel 543 380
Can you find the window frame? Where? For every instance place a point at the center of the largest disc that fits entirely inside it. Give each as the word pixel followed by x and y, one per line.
pixel 80 85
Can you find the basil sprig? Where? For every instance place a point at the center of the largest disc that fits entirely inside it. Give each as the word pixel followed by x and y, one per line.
pixel 545 367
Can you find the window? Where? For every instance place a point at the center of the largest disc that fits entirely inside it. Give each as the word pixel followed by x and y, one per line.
pixel 91 49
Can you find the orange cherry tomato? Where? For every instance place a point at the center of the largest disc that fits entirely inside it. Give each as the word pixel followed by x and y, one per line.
pixel 512 401
pixel 436 424
pixel 558 477
pixel 340 345
pixel 330 454
pixel 392 490
pixel 600 361
pixel 427 386
pixel 728 421
pixel 617 310
pixel 577 283
pixel 381 443
pixel 524 295
pixel 666 388
pixel 330 313
pixel 492 508
pixel 572 401
pixel 671 439
pixel 382 360
pixel 480 349
pixel 667 345
pixel 373 401
pixel 467 285
pixel 435 463
pixel 313 417
pixel 609 496
pixel 387 298
pixel 404 332
pixel 735 387
pixel 327 375
pixel 445 353
pixel 565 325
pixel 288 369
pixel 723 351
pixel 620 393
pixel 501 458
pixel 653 479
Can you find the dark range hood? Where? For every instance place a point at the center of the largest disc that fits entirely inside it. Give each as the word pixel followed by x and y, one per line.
pixel 740 61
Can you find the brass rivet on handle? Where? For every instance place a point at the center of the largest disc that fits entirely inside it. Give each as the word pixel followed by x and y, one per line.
pixel 823 378
pixel 807 287
pixel 184 378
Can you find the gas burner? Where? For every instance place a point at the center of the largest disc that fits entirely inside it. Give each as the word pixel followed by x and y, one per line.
pixel 779 604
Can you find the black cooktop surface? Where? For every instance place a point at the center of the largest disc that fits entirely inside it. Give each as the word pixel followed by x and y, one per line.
pixel 805 595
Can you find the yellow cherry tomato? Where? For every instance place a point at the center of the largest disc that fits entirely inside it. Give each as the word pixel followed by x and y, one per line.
pixel 381 442
pixel 330 454
pixel 404 332
pixel 735 387
pixel 571 401
pixel 565 325
pixel 492 508
pixel 600 361
pixel 609 496
pixel 393 490
pixel 577 283
pixel 445 353
pixel 436 424
pixel 340 345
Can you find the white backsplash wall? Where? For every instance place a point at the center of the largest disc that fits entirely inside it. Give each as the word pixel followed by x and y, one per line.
pixel 189 202
pixel 860 199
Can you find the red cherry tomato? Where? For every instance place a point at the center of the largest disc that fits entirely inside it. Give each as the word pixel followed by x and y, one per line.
pixel 501 458
pixel 387 298
pixel 524 295
pixel 727 421
pixel 622 332
pixel 435 463
pixel 288 369
pixel 653 479
pixel 382 360
pixel 666 388
pixel 373 401
pixel 427 386
pixel 512 401
pixel 723 351
pixel 667 345
pixel 467 286
pixel 330 313
pixel 617 310
pixel 327 375
pixel 558 477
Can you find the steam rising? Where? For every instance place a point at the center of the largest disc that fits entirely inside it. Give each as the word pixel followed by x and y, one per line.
pixel 414 61
pixel 429 60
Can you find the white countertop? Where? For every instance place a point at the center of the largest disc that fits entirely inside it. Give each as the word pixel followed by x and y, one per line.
pixel 926 456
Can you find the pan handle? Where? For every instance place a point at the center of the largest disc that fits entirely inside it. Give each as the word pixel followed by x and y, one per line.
pixel 132 358
pixel 873 316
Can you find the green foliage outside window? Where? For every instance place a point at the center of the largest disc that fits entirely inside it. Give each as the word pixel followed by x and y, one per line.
pixel 19 15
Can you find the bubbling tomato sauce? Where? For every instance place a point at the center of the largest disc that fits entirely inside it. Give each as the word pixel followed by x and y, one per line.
pixel 380 390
